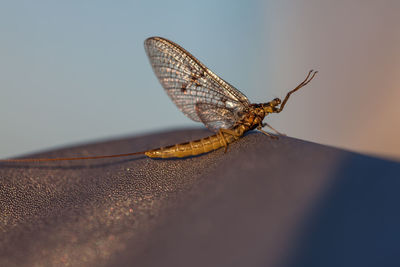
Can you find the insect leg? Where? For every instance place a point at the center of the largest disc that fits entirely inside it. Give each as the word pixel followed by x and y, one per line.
pixel 266 133
pixel 269 126
pixel 221 132
pixel 231 132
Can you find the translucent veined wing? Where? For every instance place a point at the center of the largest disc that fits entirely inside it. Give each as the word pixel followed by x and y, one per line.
pixel 215 117
pixel 188 82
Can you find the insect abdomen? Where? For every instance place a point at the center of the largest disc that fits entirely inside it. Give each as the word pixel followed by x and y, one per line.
pixel 191 148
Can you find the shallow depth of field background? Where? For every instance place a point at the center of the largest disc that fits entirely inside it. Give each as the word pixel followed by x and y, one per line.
pixel 75 71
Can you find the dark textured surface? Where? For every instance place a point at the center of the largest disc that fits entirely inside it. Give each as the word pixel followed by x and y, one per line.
pixel 264 203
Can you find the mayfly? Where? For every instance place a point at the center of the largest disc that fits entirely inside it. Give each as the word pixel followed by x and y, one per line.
pixel 204 97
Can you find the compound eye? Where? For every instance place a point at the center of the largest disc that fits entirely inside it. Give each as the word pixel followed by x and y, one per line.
pixel 277 100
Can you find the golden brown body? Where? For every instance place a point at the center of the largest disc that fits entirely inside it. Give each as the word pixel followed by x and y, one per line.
pixel 250 120
pixel 192 148
pixel 197 147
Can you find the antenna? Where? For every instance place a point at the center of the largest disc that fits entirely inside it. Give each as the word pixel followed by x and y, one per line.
pixel 302 84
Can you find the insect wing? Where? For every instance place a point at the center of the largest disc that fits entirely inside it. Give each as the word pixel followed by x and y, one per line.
pixel 188 83
pixel 214 117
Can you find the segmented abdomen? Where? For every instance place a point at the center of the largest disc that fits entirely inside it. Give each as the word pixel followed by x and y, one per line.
pixel 192 148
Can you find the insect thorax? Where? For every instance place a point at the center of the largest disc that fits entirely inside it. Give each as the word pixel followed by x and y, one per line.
pixel 252 118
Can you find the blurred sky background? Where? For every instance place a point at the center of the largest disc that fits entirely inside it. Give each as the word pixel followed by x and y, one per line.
pixel 75 71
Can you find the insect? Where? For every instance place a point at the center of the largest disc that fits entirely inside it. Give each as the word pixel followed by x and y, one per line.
pixel 204 97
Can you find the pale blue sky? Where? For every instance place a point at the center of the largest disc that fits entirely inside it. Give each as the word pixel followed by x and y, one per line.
pixel 75 71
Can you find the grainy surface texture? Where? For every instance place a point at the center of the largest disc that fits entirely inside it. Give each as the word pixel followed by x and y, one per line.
pixel 264 203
